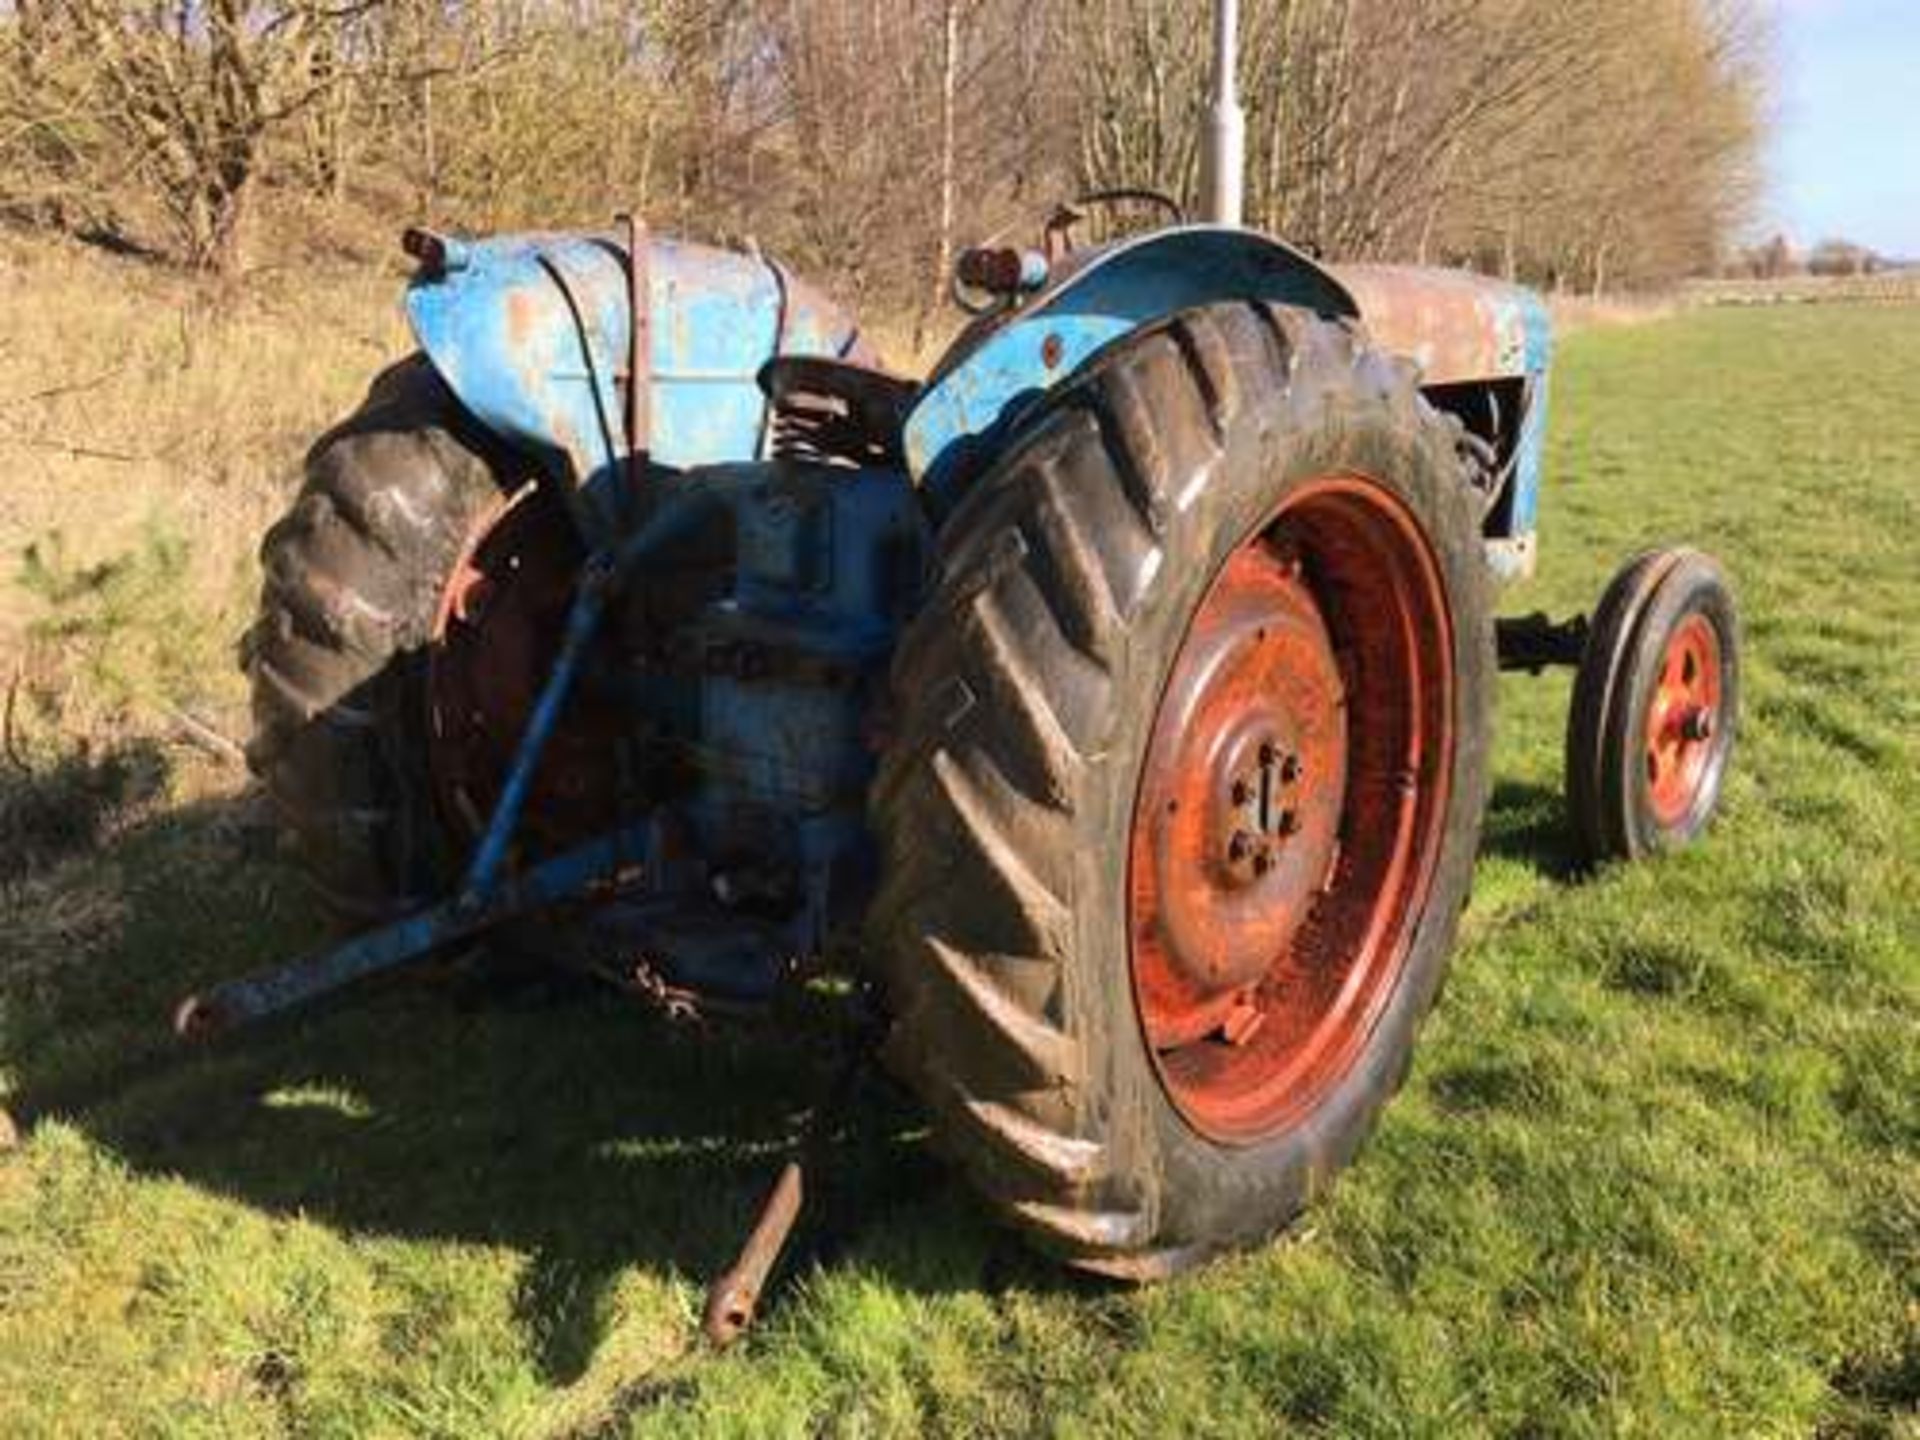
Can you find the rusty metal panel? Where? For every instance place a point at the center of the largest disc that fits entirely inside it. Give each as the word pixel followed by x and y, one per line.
pixel 1454 324
pixel 1460 328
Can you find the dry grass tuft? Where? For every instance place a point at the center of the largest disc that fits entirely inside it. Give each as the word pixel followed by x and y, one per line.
pixel 62 918
pixel 151 426
pixel 73 805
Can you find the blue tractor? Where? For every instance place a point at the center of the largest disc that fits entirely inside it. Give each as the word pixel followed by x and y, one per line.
pixel 1116 700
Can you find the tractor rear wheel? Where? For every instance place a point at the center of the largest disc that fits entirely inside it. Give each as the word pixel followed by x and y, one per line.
pixel 1186 786
pixel 356 576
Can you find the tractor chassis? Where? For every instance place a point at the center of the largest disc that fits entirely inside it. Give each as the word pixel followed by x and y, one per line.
pixel 829 550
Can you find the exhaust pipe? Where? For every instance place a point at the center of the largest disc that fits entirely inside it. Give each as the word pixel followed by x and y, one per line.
pixel 1223 151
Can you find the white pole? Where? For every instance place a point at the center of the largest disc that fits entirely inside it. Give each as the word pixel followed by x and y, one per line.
pixel 1223 156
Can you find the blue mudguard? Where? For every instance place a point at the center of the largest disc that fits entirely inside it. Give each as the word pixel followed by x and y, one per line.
pixel 995 373
pixel 1460 328
pixel 531 333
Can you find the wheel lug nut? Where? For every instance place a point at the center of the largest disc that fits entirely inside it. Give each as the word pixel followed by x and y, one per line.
pixel 1290 769
pixel 1241 792
pixel 1289 822
pixel 1238 846
pixel 1262 863
pixel 1267 753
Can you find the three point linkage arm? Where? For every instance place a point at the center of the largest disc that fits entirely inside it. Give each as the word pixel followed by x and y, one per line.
pixel 486 895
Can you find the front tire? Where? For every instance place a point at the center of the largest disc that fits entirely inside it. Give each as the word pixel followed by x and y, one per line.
pixel 1086 1081
pixel 1655 705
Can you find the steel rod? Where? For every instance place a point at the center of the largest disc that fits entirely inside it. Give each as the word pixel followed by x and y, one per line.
pixel 1223 155
pixel 597 578
pixel 574 873
pixel 582 620
pixel 735 1296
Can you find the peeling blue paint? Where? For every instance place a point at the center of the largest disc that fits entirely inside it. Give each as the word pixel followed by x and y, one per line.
pixel 1530 455
pixel 531 333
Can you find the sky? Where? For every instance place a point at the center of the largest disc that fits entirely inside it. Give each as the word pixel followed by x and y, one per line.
pixel 1845 155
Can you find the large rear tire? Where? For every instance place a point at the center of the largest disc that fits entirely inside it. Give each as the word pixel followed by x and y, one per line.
pixel 353 580
pixel 1115 1021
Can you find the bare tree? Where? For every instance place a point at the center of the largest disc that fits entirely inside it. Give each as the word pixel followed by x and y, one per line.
pixel 189 91
pixel 1589 142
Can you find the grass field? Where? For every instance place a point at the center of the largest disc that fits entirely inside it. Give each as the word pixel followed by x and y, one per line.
pixel 1656 1172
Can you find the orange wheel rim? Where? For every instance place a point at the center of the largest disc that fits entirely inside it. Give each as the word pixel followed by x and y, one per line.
pixel 1683 715
pixel 1290 808
pixel 495 630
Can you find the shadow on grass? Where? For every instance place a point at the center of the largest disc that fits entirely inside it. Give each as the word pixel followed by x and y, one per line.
pixel 553 1116
pixel 550 1116
pixel 1527 822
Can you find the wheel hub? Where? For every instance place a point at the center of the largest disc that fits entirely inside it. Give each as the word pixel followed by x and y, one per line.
pixel 1682 718
pixel 1260 816
pixel 1247 775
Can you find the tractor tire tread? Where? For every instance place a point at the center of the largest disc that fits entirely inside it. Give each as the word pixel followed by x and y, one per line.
pixel 350 583
pixel 1048 555
pixel 1005 682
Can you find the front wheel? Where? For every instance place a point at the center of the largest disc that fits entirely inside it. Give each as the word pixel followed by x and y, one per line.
pixel 1188 786
pixel 1650 727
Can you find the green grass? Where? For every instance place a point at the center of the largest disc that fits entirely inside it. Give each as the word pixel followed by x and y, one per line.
pixel 1656 1172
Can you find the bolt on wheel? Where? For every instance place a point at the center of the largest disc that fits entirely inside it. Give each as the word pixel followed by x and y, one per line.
pixel 1189 786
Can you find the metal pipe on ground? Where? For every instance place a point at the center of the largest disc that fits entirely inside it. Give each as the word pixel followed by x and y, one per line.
pixel 736 1295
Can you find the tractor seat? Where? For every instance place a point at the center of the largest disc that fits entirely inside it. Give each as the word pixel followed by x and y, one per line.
pixel 834 412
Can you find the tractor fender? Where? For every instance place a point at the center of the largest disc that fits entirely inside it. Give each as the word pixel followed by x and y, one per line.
pixel 996 371
pixel 530 332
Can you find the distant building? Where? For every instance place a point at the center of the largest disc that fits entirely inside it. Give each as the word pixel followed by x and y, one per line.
pixel 1842 257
